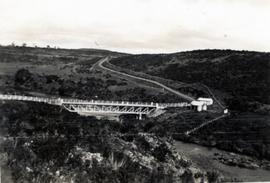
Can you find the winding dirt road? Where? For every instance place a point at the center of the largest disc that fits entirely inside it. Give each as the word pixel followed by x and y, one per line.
pixel 100 65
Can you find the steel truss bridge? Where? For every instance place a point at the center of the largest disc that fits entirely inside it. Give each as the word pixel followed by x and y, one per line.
pixel 100 108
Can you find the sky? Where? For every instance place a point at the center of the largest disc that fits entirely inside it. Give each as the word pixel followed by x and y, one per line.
pixel 137 26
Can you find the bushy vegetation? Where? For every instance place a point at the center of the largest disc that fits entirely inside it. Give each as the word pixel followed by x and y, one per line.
pixel 85 88
pixel 245 78
pixel 51 145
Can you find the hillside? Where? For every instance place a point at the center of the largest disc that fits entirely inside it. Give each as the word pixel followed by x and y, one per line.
pixel 240 79
pixel 243 76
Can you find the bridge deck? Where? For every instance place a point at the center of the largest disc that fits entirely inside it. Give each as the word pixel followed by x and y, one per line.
pixel 61 101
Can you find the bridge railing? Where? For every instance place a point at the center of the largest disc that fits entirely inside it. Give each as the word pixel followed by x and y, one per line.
pixel 103 102
pixel 55 101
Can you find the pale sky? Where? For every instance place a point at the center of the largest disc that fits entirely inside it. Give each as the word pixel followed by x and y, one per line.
pixel 138 26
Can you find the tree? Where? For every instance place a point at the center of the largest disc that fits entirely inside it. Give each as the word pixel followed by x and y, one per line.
pixel 22 76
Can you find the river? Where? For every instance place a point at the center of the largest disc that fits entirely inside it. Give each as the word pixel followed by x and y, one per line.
pixel 203 157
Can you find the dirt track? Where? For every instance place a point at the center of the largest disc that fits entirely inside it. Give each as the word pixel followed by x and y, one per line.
pixel 100 65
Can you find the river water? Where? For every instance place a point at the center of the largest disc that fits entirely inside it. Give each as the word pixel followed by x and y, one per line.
pixel 203 157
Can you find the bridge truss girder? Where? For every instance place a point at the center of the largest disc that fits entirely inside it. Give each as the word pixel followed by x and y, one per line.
pixel 108 109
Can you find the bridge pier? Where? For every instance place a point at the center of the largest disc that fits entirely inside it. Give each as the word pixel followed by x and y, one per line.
pixel 140 116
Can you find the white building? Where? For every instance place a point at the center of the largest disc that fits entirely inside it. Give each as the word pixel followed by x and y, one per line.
pixel 207 101
pixel 202 103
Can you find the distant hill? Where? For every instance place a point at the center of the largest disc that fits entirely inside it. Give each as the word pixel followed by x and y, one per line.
pixel 54 61
pixel 29 54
